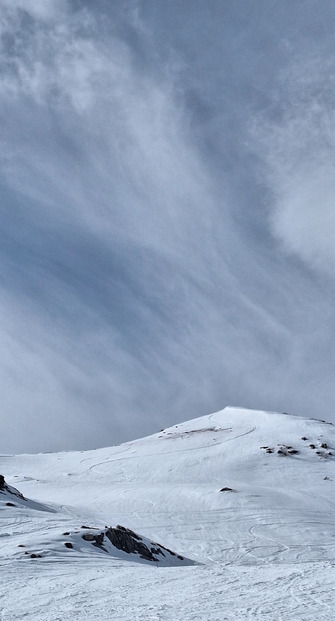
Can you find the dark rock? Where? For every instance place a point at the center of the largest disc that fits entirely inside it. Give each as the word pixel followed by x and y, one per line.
pixel 269 450
pixel 10 490
pixel 226 489
pixel 126 540
pixel 154 550
pixel 303 438
pixel 130 532
pixel 123 539
pixel 293 452
pixel 10 504
pixel 68 544
pixel 96 539
pixel 324 445
pixel 89 527
pixel 89 537
pixel 99 540
pixel 312 446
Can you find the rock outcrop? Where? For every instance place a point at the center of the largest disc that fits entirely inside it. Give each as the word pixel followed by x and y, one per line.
pixel 126 540
pixel 5 488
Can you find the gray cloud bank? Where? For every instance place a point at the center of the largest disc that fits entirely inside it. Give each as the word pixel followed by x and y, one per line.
pixel 167 220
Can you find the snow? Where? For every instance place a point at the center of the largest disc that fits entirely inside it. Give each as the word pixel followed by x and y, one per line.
pixel 264 548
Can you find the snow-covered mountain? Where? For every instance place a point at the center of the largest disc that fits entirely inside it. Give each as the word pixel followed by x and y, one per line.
pixel 228 516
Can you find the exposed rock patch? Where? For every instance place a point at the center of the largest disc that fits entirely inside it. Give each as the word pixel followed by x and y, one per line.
pixel 283 449
pixel 128 541
pixel 321 448
pixel 5 488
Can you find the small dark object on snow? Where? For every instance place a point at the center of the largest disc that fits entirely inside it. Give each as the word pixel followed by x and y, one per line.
pixel 66 533
pixel 226 489
pixel 68 544
pixel 293 452
pixel 324 445
pixel 21 545
pixel 326 479
pixel 2 481
pixel 10 504
pixel 312 446
pixel 269 450
pixel 36 556
pixel 303 438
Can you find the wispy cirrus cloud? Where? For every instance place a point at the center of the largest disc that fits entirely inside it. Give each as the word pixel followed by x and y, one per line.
pixel 139 280
pixel 103 194
pixel 104 133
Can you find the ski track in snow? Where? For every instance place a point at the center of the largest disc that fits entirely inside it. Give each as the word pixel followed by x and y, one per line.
pixel 265 549
pixel 190 593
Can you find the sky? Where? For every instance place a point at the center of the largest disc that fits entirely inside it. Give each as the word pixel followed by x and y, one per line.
pixel 167 215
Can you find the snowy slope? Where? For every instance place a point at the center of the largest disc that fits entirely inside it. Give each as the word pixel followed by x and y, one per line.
pixel 248 496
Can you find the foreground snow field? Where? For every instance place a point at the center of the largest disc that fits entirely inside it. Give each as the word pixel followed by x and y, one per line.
pixel 248 496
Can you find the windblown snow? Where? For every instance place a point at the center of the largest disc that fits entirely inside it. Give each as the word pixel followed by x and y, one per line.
pixel 228 516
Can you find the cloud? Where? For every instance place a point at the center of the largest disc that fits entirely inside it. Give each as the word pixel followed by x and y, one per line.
pixel 298 150
pixel 44 11
pixel 107 215
pixel 140 285
pixel 124 134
